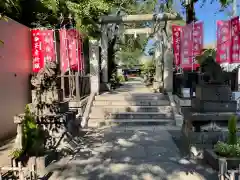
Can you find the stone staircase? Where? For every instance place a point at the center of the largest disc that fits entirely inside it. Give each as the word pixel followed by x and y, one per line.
pixel 132 108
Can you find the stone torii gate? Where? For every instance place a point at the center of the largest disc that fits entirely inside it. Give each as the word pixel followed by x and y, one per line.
pixel 97 65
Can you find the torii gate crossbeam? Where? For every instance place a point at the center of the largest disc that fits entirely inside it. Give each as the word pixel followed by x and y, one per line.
pixel 139 18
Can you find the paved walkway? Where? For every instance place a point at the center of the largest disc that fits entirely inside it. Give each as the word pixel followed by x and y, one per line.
pixel 129 153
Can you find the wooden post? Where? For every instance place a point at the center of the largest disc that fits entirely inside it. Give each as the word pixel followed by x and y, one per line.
pixel 62 85
pixel 77 86
pixel 21 172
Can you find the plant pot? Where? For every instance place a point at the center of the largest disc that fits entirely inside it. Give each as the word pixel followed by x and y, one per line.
pixel 213 160
pixel 23 159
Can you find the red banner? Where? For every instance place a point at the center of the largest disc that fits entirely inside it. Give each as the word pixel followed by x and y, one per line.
pixel 72 47
pixel 64 61
pixel 71 50
pixel 48 45
pixel 186 46
pixel 223 42
pixel 37 55
pixel 176 32
pixel 197 38
pixel 235 40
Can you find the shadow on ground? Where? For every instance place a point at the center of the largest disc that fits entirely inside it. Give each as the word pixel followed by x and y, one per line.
pixel 129 153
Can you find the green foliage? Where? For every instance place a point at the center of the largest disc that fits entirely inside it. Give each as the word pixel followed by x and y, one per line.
pixel 33 137
pixel 227 150
pixel 205 54
pixel 231 148
pixel 121 78
pixel 232 130
pixel 149 68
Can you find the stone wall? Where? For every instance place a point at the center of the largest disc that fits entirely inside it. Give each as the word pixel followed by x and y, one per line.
pixel 15 68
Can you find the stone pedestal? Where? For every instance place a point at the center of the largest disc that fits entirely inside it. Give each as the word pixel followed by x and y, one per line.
pixel 168 71
pixel 210 111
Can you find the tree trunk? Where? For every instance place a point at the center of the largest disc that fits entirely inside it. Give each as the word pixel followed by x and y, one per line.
pixel 190 13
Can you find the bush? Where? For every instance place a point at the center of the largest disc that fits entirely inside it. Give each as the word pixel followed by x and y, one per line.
pixel 121 78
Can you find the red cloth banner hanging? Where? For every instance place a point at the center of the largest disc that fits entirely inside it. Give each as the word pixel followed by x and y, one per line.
pixel 235 40
pixel 64 61
pixel 186 47
pixel 72 48
pixel 48 46
pixel 223 42
pixel 197 38
pixel 37 54
pixel 176 34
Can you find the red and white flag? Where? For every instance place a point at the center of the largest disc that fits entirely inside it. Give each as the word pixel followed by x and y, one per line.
pixel 176 34
pixel 186 47
pixel 48 45
pixel 37 53
pixel 223 42
pixel 235 40
pixel 64 61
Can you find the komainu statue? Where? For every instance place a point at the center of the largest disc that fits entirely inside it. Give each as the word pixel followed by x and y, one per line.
pixel 46 77
pixel 210 68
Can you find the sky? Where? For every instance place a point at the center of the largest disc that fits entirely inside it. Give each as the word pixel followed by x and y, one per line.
pixel 209 14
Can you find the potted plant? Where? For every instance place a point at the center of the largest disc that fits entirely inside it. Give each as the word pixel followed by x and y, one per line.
pixel 228 149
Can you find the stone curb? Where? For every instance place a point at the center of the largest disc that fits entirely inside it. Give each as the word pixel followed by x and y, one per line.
pixel 177 117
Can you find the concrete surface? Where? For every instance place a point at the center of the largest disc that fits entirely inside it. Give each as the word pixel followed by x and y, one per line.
pixel 129 153
pixel 139 153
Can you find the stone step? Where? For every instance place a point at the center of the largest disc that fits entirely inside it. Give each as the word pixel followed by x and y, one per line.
pixel 132 103
pixel 129 97
pixel 131 115
pixel 129 122
pixel 117 109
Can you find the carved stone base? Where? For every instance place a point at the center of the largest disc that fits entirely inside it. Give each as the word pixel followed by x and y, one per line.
pixel 213 106
pixel 213 92
pixel 49 109
pixel 48 96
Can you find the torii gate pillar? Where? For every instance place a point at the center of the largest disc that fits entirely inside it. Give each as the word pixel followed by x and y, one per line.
pixel 104 54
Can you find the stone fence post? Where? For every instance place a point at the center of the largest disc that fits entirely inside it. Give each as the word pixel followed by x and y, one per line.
pixel 94 66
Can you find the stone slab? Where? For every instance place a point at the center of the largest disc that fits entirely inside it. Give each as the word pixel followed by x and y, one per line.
pixel 180 101
pixel 213 106
pixel 131 115
pixel 131 103
pixel 210 116
pixel 209 138
pixel 236 97
pixel 129 122
pixel 213 92
pixel 120 109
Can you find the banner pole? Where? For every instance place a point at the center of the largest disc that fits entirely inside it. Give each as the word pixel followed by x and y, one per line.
pixel 55 46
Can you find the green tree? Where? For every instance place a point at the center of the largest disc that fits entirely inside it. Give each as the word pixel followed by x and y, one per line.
pixel 190 11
